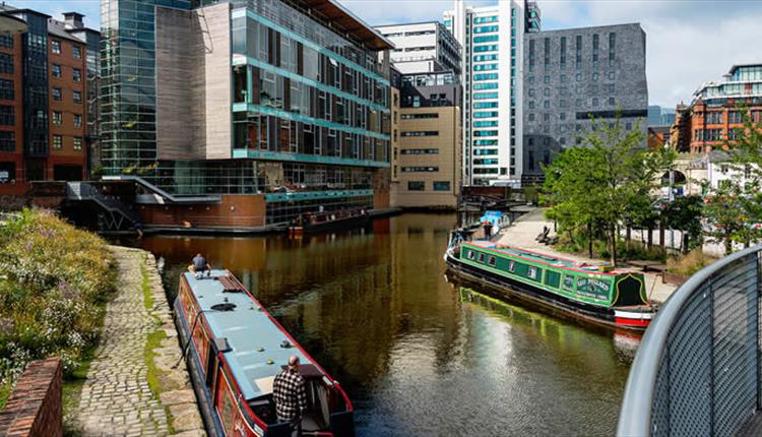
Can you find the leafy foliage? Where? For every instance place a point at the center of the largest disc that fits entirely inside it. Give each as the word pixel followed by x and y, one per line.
pixel 608 183
pixel 55 281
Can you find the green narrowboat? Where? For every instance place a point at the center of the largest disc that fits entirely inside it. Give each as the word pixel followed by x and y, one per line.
pixel 613 298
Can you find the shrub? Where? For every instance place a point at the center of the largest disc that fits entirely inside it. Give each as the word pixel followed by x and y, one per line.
pixel 55 281
pixel 689 263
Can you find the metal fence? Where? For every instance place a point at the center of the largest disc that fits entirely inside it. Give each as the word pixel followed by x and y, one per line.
pixel 697 371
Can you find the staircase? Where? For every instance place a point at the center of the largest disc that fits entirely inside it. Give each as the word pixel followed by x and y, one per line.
pixel 118 216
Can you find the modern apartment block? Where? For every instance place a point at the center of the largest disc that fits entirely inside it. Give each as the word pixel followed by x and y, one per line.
pixel 492 41
pixel 715 111
pixel 427 163
pixel 43 117
pixel 267 108
pixel 573 77
pixel 423 47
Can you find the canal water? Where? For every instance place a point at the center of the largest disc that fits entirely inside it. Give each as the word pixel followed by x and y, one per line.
pixel 419 355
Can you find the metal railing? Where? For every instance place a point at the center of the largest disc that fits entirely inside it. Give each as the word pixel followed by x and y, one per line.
pixel 120 216
pixel 697 371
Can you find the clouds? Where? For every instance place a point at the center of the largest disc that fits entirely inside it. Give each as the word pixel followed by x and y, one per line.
pixel 689 42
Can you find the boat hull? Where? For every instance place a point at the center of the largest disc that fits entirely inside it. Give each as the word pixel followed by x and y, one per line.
pixel 601 316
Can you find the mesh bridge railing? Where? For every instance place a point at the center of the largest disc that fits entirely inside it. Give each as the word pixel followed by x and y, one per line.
pixel 697 371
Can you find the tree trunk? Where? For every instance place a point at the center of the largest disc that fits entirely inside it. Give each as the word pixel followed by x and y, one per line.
pixel 589 239
pixel 628 236
pixel 613 236
pixel 661 237
pixel 650 236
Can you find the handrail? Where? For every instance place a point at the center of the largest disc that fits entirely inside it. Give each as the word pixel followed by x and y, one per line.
pixel 166 195
pixel 637 405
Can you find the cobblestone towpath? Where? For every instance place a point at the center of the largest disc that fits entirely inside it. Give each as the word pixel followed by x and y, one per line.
pixel 131 387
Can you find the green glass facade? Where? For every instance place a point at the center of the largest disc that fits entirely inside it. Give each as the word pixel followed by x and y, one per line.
pixel 310 108
pixel 128 84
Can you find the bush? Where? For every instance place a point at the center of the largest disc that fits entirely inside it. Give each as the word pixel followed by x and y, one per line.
pixel 689 263
pixel 54 284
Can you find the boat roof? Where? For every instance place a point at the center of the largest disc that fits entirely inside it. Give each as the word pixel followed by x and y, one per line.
pixel 554 261
pixel 255 354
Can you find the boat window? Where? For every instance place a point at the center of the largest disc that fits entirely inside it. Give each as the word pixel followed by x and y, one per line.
pixel 481 257
pixel 532 272
pixel 569 282
pixel 511 266
pixel 471 254
pixel 492 261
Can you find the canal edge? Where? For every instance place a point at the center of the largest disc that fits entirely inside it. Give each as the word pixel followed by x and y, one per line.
pixel 172 380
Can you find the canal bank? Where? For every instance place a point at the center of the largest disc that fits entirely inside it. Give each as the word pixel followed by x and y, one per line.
pixel 132 386
pixel 373 306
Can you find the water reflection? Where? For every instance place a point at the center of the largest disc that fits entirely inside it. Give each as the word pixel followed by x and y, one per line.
pixel 418 356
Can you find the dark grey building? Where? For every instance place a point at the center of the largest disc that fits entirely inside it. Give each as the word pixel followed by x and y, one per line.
pixel 575 76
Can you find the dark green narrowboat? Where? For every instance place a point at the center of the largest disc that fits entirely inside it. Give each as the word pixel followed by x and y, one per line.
pixel 613 298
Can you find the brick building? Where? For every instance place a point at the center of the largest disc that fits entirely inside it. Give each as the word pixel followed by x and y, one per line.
pixel 715 112
pixel 43 117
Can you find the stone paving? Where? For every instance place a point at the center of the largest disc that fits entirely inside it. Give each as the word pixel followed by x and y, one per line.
pixel 116 399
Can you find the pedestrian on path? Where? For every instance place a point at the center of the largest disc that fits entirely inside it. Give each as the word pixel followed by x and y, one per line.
pixel 290 396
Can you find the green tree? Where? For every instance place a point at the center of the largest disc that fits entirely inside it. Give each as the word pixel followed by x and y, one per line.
pixel 608 181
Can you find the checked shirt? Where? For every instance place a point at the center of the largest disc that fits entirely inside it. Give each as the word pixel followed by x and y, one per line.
pixel 290 395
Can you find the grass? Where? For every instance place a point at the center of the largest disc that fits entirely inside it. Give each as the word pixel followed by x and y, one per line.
pixel 72 391
pixel 153 342
pixel 5 393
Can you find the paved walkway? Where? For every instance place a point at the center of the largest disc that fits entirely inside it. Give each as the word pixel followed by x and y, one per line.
pixel 116 398
pixel 523 232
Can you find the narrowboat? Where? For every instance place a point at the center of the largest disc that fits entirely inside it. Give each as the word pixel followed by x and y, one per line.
pixel 611 298
pixel 234 349
pixel 324 221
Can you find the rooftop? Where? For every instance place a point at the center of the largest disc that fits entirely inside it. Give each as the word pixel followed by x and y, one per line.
pixel 255 339
pixel 345 21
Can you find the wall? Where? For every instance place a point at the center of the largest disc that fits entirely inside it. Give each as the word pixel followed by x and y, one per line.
pixel 180 131
pixel 234 211
pixel 67 155
pixel 35 408
pixel 447 160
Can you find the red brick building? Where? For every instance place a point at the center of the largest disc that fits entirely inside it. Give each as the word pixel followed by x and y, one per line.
pixel 716 111
pixel 43 89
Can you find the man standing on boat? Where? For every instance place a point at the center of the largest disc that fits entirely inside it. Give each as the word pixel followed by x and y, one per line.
pixel 290 395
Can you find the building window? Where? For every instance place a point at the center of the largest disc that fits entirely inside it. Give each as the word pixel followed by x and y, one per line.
pixel 55 46
pixel 420 152
pixel 6 40
pixel 57 142
pixel 76 52
pixel 611 101
pixel 7 115
pixel 419 169
pixel 56 94
pixel 77 120
pixel 76 96
pixel 57 118
pixel 612 46
pixel 76 75
pixel 419 116
pixel 7 141
pixel 734 117
pixel 714 117
pixel 6 89
pixel 427 133
pixel 416 186
pixel 56 70
pixel 77 143
pixel 6 63
pixel 442 186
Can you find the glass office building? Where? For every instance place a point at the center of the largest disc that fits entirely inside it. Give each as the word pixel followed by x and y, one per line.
pixel 492 40
pixel 272 100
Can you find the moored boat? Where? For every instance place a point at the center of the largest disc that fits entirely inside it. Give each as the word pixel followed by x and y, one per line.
pixel 323 221
pixel 600 295
pixel 235 348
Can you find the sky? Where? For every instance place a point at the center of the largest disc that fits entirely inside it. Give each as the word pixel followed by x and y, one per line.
pixel 689 42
